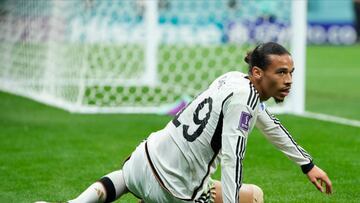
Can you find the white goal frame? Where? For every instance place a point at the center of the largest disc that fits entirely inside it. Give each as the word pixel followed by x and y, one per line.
pixel 294 104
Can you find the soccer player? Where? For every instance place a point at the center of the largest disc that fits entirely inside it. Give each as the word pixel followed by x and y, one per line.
pixel 175 164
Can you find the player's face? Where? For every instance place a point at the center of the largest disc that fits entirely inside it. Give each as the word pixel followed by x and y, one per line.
pixel 277 78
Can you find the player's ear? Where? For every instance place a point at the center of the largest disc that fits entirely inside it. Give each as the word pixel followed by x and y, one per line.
pixel 257 73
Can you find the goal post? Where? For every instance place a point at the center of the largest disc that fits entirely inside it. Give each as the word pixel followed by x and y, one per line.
pixel 139 56
pixel 296 103
pixel 152 35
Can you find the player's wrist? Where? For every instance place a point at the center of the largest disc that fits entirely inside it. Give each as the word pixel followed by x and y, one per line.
pixel 307 167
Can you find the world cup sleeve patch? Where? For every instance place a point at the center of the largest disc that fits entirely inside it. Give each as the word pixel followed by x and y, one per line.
pixel 244 121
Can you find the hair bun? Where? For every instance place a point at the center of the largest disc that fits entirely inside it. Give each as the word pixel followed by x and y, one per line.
pixel 247 58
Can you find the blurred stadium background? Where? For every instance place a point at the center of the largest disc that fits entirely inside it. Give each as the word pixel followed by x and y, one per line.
pixel 98 57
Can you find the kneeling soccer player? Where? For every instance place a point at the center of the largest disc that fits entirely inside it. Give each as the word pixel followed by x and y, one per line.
pixel 175 164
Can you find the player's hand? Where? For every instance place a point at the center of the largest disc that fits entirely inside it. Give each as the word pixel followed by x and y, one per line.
pixel 318 177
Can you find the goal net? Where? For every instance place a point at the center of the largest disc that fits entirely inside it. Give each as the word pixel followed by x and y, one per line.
pixel 138 56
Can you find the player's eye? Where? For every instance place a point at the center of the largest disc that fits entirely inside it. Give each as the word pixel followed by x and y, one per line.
pixel 292 71
pixel 281 72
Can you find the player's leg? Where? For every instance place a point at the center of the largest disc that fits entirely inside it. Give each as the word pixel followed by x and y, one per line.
pixel 107 189
pixel 117 183
pixel 249 193
pixel 141 180
pixel 209 193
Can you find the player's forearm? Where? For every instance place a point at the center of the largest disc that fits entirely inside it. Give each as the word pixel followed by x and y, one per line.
pixel 231 183
pixel 231 166
pixel 284 143
pixel 282 140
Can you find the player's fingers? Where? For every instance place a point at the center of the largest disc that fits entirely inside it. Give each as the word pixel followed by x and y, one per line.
pixel 317 184
pixel 328 189
pixel 325 179
pixel 324 185
pixel 328 186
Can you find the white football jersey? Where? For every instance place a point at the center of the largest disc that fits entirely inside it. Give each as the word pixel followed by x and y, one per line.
pixel 214 129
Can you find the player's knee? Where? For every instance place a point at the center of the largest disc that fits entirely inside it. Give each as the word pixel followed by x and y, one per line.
pixel 258 194
pixel 250 193
pixel 110 192
pixel 114 185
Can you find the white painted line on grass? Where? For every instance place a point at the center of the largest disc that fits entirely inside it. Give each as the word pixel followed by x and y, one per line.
pixel 335 119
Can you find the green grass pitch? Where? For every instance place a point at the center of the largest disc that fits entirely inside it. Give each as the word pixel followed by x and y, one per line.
pixel 49 154
pixel 332 80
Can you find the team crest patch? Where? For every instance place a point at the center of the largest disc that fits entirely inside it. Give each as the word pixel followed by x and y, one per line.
pixel 244 121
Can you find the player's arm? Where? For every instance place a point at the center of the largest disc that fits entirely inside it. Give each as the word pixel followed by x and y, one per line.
pixel 276 133
pixel 233 148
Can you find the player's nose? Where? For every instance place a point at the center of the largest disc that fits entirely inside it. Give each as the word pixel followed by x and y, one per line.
pixel 288 79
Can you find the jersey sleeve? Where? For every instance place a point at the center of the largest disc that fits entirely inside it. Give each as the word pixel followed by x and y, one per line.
pixel 277 134
pixel 236 122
